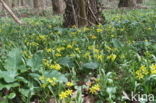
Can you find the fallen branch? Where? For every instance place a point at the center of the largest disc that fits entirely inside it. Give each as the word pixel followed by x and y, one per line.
pixel 6 7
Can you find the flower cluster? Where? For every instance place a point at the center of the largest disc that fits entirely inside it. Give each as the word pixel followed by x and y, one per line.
pixel 153 69
pixel 65 94
pixel 51 66
pixel 94 89
pixel 141 72
pixel 46 80
pixel 112 57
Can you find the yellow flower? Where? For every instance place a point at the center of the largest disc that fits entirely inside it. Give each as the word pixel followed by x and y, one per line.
pixel 86 29
pixel 91 47
pixel 78 50
pixel 58 54
pixel 32 44
pixel 73 33
pixel 69 92
pixel 141 72
pixel 42 37
pixel 112 57
pixel 92 36
pixel 99 30
pixel 153 69
pixel 46 62
pixel 87 55
pixel 69 46
pixel 43 85
pixel 108 48
pixel 72 55
pixel 96 50
pixel 69 84
pixel 59 49
pixel 55 66
pixel 139 75
pixel 48 50
pixel 153 66
pixel 41 78
pixel 52 81
pixel 94 89
pixel 65 94
pixel 27 54
pixel 99 57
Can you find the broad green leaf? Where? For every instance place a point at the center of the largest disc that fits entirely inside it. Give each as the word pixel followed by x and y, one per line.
pixel 59 76
pixel 14 60
pixel 8 76
pixel 91 65
pixel 8 86
pixel 35 62
pixel 66 61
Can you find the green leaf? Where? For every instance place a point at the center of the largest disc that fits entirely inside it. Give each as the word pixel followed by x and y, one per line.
pixel 8 86
pixel 11 95
pixel 14 60
pixel 35 62
pixel 67 62
pixel 116 43
pixel 21 79
pixel 8 76
pixel 111 90
pixel 59 76
pixel 91 65
pixel 24 92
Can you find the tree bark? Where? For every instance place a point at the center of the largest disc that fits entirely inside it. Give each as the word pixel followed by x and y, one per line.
pixel 10 12
pixel 36 4
pixel 139 1
pixel 39 6
pixel 58 6
pixel 22 3
pixel 82 13
pixel 127 3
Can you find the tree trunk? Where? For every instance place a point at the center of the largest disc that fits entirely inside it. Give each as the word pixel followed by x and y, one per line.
pixel 36 4
pixel 139 1
pixel 58 6
pixel 39 6
pixel 22 2
pixel 82 13
pixel 127 3
pixel 10 12
pixel 13 4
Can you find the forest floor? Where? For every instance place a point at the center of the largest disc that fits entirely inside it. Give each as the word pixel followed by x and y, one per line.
pixel 42 61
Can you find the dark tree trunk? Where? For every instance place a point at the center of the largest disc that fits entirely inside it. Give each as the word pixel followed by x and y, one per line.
pixel 139 1
pixel 127 3
pixel 123 3
pixel 58 6
pixel 36 4
pixel 22 3
pixel 82 13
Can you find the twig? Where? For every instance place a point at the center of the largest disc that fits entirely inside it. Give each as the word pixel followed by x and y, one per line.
pixel 75 17
pixel 10 12
pixel 92 13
